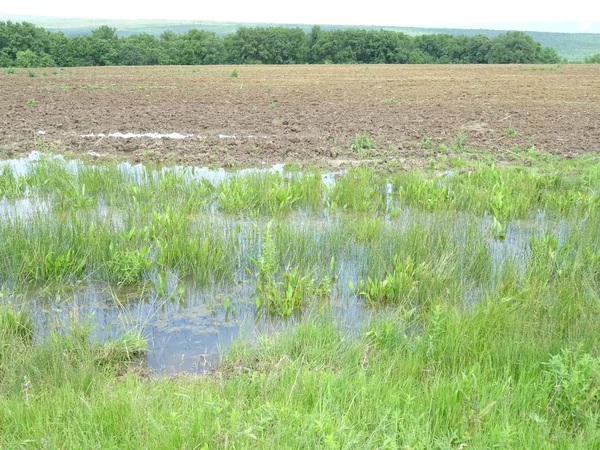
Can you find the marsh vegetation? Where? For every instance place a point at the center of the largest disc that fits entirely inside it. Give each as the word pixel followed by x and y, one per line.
pixel 407 309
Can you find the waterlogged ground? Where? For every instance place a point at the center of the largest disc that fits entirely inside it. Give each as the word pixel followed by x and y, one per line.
pixel 191 310
pixel 454 306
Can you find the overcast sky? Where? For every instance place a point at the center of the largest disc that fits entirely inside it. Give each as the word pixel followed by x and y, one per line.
pixel 459 13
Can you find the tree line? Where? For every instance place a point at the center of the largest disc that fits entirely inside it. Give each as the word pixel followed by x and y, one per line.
pixel 26 45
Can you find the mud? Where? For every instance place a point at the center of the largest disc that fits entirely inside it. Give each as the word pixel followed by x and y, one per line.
pixel 304 114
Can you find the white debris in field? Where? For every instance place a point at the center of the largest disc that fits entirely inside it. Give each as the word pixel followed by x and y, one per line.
pixel 41 132
pixel 233 136
pixel 120 135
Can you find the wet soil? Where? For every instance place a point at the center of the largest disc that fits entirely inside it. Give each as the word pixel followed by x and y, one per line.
pixel 304 114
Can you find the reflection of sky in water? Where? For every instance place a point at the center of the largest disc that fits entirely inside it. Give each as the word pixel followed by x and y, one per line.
pixel 189 333
pixel 139 174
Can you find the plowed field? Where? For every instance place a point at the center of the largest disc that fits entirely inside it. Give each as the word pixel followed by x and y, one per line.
pixel 273 114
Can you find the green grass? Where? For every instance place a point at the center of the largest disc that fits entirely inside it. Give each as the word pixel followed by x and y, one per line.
pixel 480 287
pixel 482 378
pixel 362 144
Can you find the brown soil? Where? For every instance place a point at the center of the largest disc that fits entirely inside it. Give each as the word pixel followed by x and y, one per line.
pixel 301 113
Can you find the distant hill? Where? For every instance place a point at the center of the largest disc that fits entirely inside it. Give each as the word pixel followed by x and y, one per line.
pixel 572 46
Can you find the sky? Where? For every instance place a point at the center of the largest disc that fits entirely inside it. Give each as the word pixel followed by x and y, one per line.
pixel 442 13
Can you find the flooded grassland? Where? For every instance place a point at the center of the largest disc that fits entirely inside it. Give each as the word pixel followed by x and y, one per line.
pixel 299 308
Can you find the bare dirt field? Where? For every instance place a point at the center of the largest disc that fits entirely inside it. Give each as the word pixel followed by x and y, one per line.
pixel 304 114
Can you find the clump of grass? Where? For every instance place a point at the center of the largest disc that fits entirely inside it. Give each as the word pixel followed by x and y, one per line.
pixel 284 293
pixel 362 144
pixel 11 185
pixel 359 190
pixel 407 284
pixel 31 74
pixel 234 73
pixel 9 70
pixel 458 144
pixel 126 266
pixel 272 105
pixel 15 323
pixel 121 350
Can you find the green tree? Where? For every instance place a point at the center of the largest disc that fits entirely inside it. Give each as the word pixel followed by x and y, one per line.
pixel 546 55
pixel 512 48
pixel 478 49
pixel 26 44
pixel 198 47
pixel 60 49
pixel 130 55
pixel 15 37
pixel 149 50
pixel 27 58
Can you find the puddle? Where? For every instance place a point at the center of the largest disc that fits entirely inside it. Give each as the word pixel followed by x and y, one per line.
pixel 185 334
pixel 23 208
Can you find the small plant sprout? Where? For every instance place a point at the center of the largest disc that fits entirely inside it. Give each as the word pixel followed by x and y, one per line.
pixel 9 70
pixel 273 104
pixel 234 73
pixel 426 142
pixel 389 100
pixel 511 131
pixel 498 228
pixel 31 74
pixel 31 102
